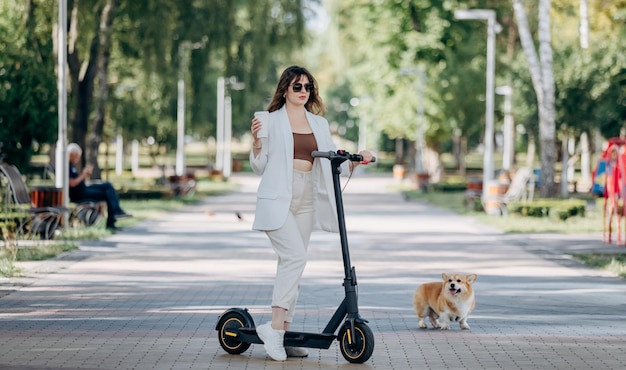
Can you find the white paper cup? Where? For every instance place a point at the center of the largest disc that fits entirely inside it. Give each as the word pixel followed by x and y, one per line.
pixel 264 117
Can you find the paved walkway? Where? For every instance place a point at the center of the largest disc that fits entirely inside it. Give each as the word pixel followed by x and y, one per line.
pixel 149 297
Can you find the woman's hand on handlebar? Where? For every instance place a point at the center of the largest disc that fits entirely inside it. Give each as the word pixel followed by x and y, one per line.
pixel 367 156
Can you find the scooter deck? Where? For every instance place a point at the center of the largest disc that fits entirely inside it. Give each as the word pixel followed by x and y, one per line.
pixel 293 338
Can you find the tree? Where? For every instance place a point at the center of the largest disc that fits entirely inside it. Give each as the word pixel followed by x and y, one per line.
pixel 102 92
pixel 27 83
pixel 543 81
pixel 142 48
pixel 382 38
pixel 82 73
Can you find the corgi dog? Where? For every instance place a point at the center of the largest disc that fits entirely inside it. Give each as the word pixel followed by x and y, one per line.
pixel 442 302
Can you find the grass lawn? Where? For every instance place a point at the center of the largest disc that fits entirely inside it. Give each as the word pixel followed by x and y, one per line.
pixel 616 263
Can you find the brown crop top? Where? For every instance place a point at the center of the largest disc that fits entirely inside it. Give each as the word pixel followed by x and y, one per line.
pixel 303 145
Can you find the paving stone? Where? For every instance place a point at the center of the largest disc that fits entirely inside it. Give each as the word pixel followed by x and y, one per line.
pixel 150 296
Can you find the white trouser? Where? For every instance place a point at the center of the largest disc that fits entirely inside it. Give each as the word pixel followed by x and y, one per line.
pixel 291 243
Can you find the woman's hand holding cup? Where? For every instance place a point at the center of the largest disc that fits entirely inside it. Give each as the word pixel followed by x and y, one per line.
pixel 263 118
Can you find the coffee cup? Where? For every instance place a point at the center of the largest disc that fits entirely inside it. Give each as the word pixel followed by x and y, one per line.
pixel 264 117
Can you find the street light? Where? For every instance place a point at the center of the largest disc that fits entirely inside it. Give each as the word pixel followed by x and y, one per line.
pixel 508 150
pixel 223 160
pixel 62 170
pixel 180 107
pixel 492 28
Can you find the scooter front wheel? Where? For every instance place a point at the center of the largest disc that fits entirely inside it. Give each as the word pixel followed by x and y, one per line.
pixel 359 348
pixel 228 326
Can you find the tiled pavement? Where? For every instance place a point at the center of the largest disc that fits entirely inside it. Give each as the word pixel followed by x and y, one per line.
pixel 149 297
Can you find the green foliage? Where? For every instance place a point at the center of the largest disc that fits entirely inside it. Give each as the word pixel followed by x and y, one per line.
pixel 459 203
pixel 615 263
pixel 342 112
pixel 560 209
pixel 27 83
pixel 139 194
pixel 251 40
pixel 445 187
pixel 44 251
pixel 381 38
pixel 361 55
pixel 591 88
pixel 8 268
pixel 248 39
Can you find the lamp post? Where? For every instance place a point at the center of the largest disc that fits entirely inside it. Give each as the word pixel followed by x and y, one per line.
pixel 508 150
pixel 62 170
pixel 219 139
pixel 223 160
pixel 492 28
pixel 180 107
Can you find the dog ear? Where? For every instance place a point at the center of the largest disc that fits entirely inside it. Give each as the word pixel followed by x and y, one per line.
pixel 444 276
pixel 471 278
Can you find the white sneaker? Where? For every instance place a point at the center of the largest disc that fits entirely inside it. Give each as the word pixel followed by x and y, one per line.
pixel 273 341
pixel 296 352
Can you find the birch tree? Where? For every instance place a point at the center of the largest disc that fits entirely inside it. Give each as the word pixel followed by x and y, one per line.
pixel 542 76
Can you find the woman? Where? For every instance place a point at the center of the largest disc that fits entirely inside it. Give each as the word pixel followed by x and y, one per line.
pixel 295 193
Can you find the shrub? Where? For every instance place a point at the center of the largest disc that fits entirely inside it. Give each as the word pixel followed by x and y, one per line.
pixel 561 209
pixel 448 187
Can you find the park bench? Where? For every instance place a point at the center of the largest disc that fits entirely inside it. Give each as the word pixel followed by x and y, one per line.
pixel 183 185
pixel 87 212
pixel 522 188
pixel 20 215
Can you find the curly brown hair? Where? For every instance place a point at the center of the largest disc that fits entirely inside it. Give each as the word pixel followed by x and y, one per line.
pixel 295 73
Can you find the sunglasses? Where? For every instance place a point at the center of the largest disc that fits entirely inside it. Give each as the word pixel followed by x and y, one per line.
pixel 297 87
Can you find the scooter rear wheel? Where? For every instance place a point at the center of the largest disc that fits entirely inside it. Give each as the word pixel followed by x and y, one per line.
pixel 229 324
pixel 360 348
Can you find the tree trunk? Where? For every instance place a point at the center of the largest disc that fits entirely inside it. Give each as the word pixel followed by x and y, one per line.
pixel 543 83
pixel 462 156
pixel 511 47
pixel 433 165
pixel 102 92
pixel 456 149
pixel 82 85
pixel 399 151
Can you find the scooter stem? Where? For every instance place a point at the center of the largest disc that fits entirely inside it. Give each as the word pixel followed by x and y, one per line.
pixel 350 279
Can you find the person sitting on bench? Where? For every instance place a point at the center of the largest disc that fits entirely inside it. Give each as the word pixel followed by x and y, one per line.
pixel 80 191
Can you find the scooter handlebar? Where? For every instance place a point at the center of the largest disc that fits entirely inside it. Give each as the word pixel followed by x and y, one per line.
pixel 339 153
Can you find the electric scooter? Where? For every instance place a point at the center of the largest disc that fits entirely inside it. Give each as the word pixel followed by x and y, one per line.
pixel 237 329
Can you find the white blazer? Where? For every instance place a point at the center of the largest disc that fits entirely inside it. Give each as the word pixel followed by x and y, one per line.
pixel 275 166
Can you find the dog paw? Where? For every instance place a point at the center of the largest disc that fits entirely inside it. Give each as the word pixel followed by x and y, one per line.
pixel 464 324
pixel 422 324
pixel 445 326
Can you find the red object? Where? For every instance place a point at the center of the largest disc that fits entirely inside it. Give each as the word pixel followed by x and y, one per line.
pixel 615 188
pixel 46 196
